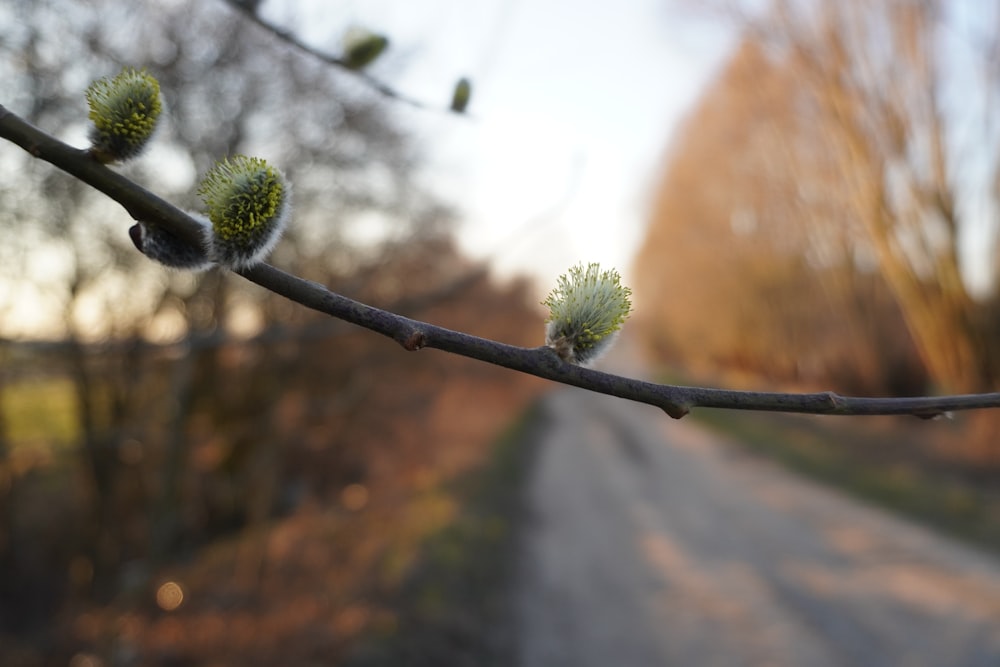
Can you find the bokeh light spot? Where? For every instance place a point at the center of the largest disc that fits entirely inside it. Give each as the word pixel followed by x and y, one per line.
pixel 169 596
pixel 354 497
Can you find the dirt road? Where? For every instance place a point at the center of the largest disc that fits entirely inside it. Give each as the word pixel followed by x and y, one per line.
pixel 651 543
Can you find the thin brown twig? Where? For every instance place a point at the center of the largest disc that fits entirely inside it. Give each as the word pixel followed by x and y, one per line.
pixel 290 38
pixel 412 334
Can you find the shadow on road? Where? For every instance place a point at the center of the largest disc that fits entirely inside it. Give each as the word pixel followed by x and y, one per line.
pixel 653 542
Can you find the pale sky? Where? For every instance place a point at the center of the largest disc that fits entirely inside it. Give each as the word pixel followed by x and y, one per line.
pixel 573 106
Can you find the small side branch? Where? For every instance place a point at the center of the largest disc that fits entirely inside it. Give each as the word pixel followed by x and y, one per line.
pixel 414 335
pixel 249 10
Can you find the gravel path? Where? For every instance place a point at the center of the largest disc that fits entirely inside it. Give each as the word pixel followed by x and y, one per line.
pixel 650 542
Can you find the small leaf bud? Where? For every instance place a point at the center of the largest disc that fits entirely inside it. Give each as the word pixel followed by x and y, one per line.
pixel 586 309
pixel 248 203
pixel 460 96
pixel 362 48
pixel 124 110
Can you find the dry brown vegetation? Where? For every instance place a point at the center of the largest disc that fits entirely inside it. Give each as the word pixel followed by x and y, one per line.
pixel 285 483
pixel 257 490
pixel 809 220
pixel 728 277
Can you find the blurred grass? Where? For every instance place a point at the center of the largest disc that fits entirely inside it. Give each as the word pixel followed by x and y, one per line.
pixel 854 459
pixel 39 411
pixel 454 607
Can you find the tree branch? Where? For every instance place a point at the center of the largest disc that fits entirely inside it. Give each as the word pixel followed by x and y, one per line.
pixel 412 334
pixel 250 11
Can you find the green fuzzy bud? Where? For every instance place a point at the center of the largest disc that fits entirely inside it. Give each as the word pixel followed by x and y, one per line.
pixel 362 48
pixel 248 203
pixel 461 95
pixel 124 110
pixel 586 310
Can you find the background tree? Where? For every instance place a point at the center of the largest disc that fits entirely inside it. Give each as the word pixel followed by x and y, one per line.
pixel 867 140
pixel 904 101
pixel 763 275
pixel 196 413
pixel 223 99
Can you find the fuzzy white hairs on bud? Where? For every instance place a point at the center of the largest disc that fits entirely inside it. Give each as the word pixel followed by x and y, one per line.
pixel 124 110
pixel 162 245
pixel 586 310
pixel 247 199
pixel 248 202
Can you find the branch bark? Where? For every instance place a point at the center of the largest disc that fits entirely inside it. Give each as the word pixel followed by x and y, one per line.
pixel 413 335
pixel 250 11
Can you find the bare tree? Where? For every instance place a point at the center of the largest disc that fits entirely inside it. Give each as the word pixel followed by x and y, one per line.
pixel 230 87
pixel 759 259
pixel 877 81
